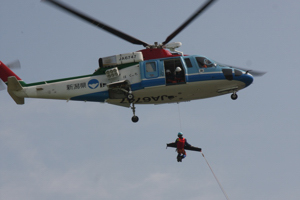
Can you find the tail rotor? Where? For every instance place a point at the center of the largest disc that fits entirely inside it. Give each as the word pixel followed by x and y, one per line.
pixel 14 65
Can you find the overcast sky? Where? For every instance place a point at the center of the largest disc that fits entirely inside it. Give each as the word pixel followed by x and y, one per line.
pixel 52 149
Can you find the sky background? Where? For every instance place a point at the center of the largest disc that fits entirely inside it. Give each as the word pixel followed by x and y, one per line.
pixel 51 149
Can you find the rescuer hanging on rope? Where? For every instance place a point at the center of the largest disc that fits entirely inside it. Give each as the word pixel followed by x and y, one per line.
pixel 181 144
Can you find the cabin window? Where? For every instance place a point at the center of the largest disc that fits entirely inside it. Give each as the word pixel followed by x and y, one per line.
pixel 151 70
pixel 204 62
pixel 150 67
pixel 188 62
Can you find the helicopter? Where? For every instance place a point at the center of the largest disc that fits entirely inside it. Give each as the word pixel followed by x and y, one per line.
pixel 157 74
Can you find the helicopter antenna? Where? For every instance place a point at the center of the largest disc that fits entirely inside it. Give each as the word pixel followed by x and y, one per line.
pixel 173 45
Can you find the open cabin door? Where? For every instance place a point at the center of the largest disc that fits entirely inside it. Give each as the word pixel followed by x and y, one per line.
pixel 174 71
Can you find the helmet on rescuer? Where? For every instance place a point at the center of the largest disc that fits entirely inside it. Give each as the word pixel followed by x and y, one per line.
pixel 178 69
pixel 180 134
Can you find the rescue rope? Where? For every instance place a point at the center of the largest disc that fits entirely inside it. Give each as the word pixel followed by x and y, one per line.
pixel 179 116
pixel 216 178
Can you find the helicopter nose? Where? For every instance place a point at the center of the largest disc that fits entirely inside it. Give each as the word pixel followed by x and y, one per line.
pixel 244 77
pixel 236 74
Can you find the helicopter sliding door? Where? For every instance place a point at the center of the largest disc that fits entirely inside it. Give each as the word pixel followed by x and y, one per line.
pixel 151 74
pixel 174 71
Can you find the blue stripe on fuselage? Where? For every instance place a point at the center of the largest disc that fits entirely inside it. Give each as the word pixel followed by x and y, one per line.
pixel 102 96
pixel 246 78
pixel 98 97
pixel 153 82
pixel 205 77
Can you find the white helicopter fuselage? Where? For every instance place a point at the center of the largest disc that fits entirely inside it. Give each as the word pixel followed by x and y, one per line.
pixel 146 81
pixel 152 75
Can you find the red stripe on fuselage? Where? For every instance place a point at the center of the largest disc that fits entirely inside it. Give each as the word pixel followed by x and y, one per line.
pixel 5 72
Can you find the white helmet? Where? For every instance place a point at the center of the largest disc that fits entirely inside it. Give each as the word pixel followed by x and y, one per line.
pixel 178 69
pixel 168 71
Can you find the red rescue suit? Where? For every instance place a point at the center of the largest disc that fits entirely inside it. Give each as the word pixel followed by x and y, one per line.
pixel 180 143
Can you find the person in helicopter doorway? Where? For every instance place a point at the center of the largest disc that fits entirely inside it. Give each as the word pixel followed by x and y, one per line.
pixel 181 142
pixel 169 77
pixel 179 76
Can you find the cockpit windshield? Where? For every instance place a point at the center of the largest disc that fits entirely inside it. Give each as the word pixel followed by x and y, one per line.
pixel 204 62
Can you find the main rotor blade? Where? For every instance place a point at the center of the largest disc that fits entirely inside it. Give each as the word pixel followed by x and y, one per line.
pixel 97 23
pixel 188 21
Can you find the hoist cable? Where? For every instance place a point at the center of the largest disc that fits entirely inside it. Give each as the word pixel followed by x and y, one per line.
pixel 216 178
pixel 179 116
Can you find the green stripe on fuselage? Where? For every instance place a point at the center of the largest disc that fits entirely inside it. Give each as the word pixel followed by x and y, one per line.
pixel 55 81
pixel 100 71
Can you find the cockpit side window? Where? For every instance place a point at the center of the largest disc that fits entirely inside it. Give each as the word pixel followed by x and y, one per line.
pixel 188 62
pixel 204 62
